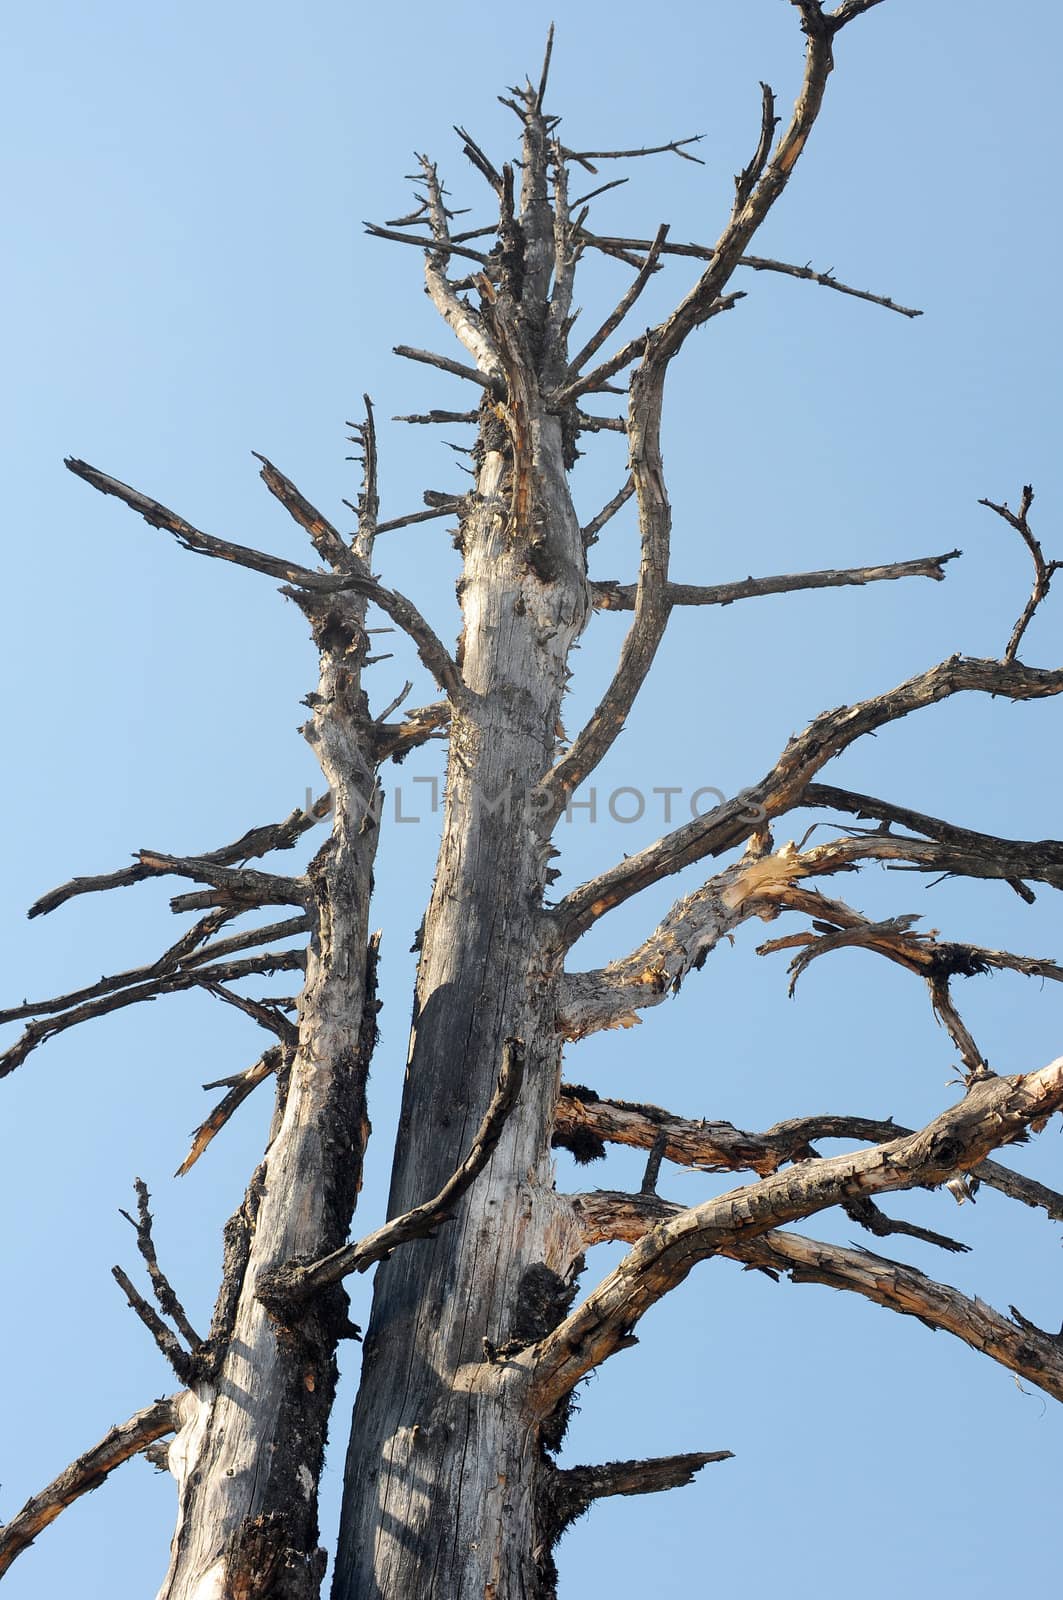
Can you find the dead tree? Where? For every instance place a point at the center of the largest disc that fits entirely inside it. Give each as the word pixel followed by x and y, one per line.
pixel 481 1329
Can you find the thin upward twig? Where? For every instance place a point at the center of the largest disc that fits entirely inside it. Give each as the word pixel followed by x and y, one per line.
pixel 1043 570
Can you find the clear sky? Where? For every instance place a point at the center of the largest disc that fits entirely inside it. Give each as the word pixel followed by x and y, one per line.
pixel 186 280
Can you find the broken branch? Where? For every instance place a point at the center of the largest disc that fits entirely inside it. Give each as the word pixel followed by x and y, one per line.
pixel 84 1474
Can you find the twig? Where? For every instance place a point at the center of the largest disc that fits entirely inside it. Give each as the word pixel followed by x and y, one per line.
pixel 630 251
pixel 395 740
pixel 544 75
pixel 479 159
pixel 445 364
pixel 828 281
pixel 169 1304
pixel 174 983
pixel 595 381
pixel 616 317
pixel 184 1364
pixel 593 528
pixel 870 1216
pixel 256 842
pixel 1043 570
pixel 363 434
pixel 267 1014
pixel 673 147
pixel 430 515
pixel 453 248
pixel 603 188
pixel 181 956
pixel 183 951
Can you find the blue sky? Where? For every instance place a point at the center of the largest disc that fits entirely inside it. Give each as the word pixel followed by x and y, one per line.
pixel 187 281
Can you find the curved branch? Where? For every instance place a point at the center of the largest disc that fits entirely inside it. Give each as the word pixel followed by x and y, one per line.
pixel 994 1111
pixel 782 788
pixel 610 996
pixel 85 1474
pixel 1022 1348
pixel 256 842
pixel 585 1123
pixel 283 1289
pixel 1043 570
pixel 173 983
pixel 191 538
pixel 1018 858
pixel 402 611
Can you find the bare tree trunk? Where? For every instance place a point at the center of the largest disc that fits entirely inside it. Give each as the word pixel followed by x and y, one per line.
pixel 445 1454
pixel 254 1421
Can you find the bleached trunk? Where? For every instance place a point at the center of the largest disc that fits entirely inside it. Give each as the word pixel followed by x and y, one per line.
pixel 248 1456
pixel 444 1463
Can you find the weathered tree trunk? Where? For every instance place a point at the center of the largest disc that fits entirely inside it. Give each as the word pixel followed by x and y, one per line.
pixel 254 1421
pixel 445 1456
